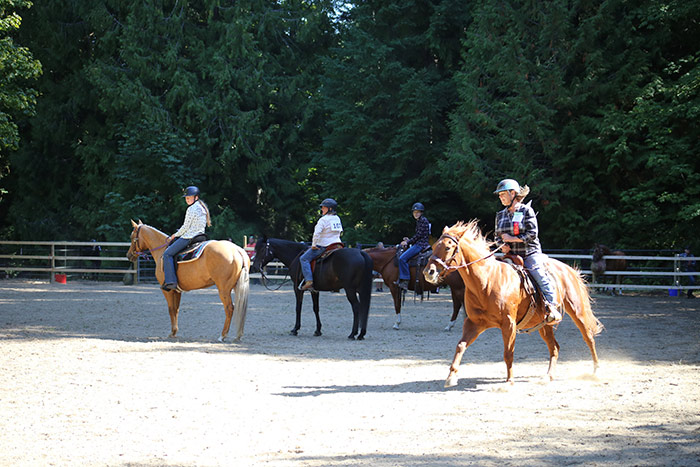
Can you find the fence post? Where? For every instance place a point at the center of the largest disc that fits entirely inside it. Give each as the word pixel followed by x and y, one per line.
pixel 52 274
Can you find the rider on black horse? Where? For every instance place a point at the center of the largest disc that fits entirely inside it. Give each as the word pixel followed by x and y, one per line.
pixel 418 243
pixel 327 232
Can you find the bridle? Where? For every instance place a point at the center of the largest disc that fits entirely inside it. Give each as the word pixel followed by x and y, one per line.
pixel 263 277
pixel 137 248
pixel 446 268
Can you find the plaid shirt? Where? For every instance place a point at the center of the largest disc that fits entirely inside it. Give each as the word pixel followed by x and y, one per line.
pixel 422 232
pixel 528 230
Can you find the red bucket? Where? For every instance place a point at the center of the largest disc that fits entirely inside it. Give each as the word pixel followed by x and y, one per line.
pixel 60 278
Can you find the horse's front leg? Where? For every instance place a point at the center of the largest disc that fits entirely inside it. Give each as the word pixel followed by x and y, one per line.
pixel 317 312
pixel 470 331
pixel 173 300
pixel 396 296
pixel 300 300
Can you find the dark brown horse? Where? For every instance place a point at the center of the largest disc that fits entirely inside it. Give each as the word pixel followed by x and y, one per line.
pixel 384 264
pixel 599 265
pixel 495 296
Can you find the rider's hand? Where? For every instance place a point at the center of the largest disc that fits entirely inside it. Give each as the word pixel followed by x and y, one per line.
pixel 505 249
pixel 314 248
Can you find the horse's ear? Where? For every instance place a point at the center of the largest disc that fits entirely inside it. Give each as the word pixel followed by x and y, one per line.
pixel 140 223
pixel 134 224
pixel 445 229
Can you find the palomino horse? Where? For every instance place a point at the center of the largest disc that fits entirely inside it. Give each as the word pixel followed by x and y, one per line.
pixel 383 259
pixel 222 263
pixel 496 297
pixel 599 265
pixel 345 268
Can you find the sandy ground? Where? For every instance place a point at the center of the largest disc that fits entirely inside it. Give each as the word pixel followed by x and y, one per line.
pixel 89 377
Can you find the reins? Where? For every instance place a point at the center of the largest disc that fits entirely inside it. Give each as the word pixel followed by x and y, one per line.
pixel 264 278
pixel 445 264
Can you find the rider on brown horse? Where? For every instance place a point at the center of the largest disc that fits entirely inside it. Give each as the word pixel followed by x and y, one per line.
pixel 516 226
pixel 418 243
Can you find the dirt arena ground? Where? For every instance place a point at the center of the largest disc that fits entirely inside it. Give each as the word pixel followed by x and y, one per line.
pixel 89 377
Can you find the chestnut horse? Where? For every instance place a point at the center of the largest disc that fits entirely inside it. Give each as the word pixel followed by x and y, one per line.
pixel 599 265
pixel 383 259
pixel 495 296
pixel 222 263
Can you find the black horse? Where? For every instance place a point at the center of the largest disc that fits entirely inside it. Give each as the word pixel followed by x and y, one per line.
pixel 345 268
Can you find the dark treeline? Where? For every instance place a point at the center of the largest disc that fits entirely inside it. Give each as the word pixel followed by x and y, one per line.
pixel 271 106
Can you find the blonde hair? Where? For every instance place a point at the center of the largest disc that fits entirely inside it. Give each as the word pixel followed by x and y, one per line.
pixel 524 191
pixel 206 208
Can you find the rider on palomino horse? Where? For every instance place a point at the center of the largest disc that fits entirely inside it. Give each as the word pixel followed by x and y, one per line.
pixel 418 243
pixel 516 231
pixel 196 220
pixel 327 232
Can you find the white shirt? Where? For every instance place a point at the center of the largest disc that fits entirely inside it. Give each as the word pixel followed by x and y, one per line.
pixel 195 221
pixel 327 231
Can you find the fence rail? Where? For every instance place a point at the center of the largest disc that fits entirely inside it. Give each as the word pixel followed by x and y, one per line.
pixel 61 258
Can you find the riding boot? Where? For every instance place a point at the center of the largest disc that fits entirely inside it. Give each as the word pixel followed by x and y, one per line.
pixel 307 285
pixel 403 284
pixel 169 287
pixel 552 316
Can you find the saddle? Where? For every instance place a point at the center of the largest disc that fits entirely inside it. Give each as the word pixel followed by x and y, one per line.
pixel 418 262
pixel 193 249
pixel 329 250
pixel 531 288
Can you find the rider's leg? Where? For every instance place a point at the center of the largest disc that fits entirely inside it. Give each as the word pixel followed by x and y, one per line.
pixel 305 260
pixel 404 270
pixel 535 264
pixel 170 280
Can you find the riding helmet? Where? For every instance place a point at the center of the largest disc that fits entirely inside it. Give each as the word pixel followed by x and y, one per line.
pixel 507 185
pixel 418 207
pixel 191 191
pixel 330 203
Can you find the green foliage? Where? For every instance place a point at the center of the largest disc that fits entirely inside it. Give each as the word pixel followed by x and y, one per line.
pixel 18 69
pixel 269 107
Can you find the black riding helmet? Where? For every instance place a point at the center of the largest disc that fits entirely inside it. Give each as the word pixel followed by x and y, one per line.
pixel 330 203
pixel 418 207
pixel 191 191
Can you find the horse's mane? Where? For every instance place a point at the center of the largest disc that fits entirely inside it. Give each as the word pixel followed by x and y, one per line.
pixel 471 233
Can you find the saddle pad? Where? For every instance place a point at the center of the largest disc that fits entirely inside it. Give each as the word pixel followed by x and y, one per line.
pixel 329 249
pixel 192 252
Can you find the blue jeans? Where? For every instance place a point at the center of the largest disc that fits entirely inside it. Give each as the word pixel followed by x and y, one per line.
pixel 169 259
pixel 404 270
pixel 305 260
pixel 535 264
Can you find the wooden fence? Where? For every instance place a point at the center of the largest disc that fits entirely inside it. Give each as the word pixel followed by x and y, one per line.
pixel 58 259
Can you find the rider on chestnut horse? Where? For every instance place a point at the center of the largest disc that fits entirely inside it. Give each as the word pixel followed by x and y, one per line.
pixel 517 232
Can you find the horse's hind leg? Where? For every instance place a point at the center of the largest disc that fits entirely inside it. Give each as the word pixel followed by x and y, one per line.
pixel 173 300
pixel 470 331
pixel 547 334
pixel 351 294
pixel 225 296
pixel 587 334
pixel 457 299
pixel 317 312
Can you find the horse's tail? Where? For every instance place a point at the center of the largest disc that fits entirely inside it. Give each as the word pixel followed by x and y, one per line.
pixel 582 305
pixel 241 290
pixel 365 290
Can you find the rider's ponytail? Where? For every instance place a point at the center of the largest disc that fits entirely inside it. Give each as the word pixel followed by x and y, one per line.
pixel 207 210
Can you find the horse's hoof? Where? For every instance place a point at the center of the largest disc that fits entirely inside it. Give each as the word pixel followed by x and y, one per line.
pixel 221 338
pixel 351 337
pixel 451 381
pixel 317 333
pixel 361 338
pixel 396 326
pixel 449 326
pixel 293 332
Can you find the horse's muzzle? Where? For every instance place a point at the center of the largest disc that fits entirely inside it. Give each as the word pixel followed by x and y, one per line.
pixel 431 274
